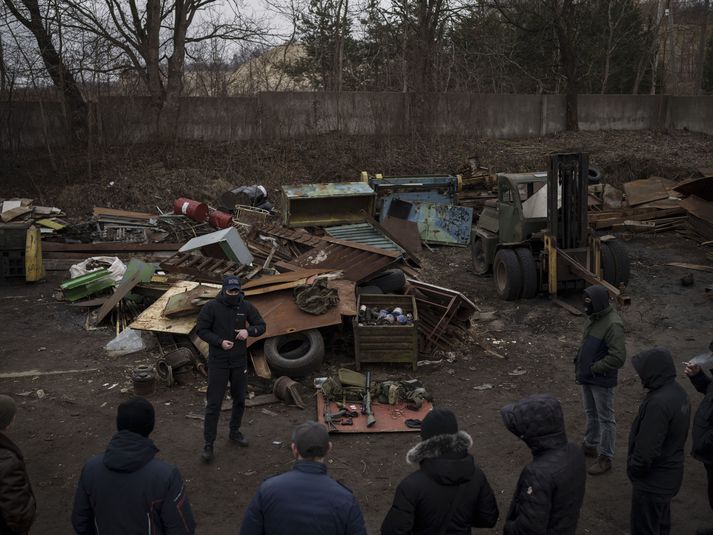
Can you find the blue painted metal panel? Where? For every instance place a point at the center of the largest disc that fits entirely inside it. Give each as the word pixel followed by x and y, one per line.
pixel 439 223
pixel 433 189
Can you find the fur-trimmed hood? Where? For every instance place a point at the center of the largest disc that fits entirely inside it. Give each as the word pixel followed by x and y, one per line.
pixel 445 458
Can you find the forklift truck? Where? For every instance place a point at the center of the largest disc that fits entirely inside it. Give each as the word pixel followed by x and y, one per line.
pixel 536 235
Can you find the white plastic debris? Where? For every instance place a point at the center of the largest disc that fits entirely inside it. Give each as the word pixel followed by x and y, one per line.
pixel 129 341
pixel 116 267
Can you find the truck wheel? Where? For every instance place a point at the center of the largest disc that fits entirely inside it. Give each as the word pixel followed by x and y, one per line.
pixel 477 252
pixel 390 281
pixel 508 274
pixel 530 278
pixel 608 265
pixel 294 362
pixel 621 262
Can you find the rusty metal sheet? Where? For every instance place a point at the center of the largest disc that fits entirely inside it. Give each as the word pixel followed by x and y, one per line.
pixel 701 187
pixel 283 316
pixel 282 277
pixel 356 264
pixel 646 190
pixel 347 296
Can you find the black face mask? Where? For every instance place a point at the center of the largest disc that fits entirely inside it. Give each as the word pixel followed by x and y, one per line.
pixel 233 300
pixel 589 308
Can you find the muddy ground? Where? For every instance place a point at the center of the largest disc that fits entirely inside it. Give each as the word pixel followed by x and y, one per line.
pixel 76 417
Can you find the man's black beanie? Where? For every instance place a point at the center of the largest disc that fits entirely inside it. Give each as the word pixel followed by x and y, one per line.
pixel 136 415
pixel 439 422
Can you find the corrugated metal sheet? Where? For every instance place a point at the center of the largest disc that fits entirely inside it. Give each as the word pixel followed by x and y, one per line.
pixel 363 233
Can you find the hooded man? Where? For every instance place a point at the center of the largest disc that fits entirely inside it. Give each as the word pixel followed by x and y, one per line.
pixel 225 323
pixel 125 489
pixel 597 365
pixel 703 427
pixel 550 491
pixel 449 492
pixel 17 502
pixel 305 500
pixel 656 440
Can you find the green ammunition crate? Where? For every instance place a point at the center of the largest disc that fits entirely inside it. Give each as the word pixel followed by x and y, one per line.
pixel 386 343
pixel 12 263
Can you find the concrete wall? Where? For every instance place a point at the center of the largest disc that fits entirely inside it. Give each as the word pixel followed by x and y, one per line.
pixel 125 120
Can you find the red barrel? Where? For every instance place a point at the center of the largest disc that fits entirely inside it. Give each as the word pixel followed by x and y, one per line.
pixel 197 211
pixel 218 219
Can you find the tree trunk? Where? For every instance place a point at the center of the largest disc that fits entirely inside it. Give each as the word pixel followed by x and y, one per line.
pixel 702 50
pixel 568 62
pixel 62 77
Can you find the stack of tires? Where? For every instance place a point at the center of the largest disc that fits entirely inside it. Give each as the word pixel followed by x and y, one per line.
pixel 515 274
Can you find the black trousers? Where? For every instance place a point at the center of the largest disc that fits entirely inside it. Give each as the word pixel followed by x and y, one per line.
pixel 650 513
pixel 709 473
pixel 218 379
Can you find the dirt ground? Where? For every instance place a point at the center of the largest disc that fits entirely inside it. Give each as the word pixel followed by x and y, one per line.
pixel 74 419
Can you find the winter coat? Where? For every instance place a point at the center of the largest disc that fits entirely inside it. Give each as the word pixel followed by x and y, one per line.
pixel 550 491
pixel 125 491
pixel 659 431
pixel 603 350
pixel 303 501
pixel 218 320
pixel 425 497
pixel 17 502
pixel 703 420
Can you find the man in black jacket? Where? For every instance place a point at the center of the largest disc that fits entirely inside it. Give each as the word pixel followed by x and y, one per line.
pixel 449 492
pixel 17 501
pixel 703 427
pixel 125 489
pixel 656 440
pixel 550 490
pixel 225 323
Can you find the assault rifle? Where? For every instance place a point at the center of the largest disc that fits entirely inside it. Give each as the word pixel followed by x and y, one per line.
pixel 370 420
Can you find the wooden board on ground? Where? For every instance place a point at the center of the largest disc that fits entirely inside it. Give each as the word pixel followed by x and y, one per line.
pixel 282 278
pixel 257 356
pixel 697 267
pixel 389 418
pixel 121 292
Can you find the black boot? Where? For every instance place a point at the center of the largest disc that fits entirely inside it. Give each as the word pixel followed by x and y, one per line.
pixel 238 438
pixel 207 453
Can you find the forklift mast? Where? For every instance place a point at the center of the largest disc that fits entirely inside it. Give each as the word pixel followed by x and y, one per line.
pixel 568 176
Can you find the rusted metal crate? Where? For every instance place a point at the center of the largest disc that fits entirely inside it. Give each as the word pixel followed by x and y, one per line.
pixel 387 343
pixel 326 204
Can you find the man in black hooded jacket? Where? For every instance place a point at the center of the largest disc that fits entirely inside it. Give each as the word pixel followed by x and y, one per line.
pixel 225 323
pixel 656 440
pixel 125 489
pixel 550 490
pixel 449 492
pixel 703 427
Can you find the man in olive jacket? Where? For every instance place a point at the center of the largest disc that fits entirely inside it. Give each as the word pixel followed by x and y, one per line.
pixel 656 440
pixel 597 365
pixel 17 502
pixel 225 323
pixel 449 493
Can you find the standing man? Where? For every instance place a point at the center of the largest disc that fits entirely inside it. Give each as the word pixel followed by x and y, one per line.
pixel 703 427
pixel 305 500
pixel 656 440
pixel 449 492
pixel 125 489
pixel 597 368
pixel 550 491
pixel 17 502
pixel 225 323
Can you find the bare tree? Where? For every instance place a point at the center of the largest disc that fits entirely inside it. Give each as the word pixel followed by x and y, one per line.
pixel 152 39
pixel 29 14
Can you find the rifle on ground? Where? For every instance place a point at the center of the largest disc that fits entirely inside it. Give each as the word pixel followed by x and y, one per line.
pixel 370 420
pixel 328 415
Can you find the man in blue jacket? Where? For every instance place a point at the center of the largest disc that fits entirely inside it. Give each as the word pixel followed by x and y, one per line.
pixel 225 323
pixel 305 500
pixel 126 490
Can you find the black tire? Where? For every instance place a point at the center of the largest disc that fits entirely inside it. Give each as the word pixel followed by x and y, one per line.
pixel 608 266
pixel 507 274
pixel 530 276
pixel 368 289
pixel 621 262
pixel 594 176
pixel 390 281
pixel 295 366
pixel 477 253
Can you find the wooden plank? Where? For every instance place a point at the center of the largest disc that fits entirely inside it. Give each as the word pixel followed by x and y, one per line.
pixel 124 214
pixel 643 191
pixel 109 247
pixel 201 345
pixel 283 277
pixel 697 267
pixel 152 319
pixel 121 292
pixel 33 373
pixel 265 399
pixel 257 355
pixel 14 213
